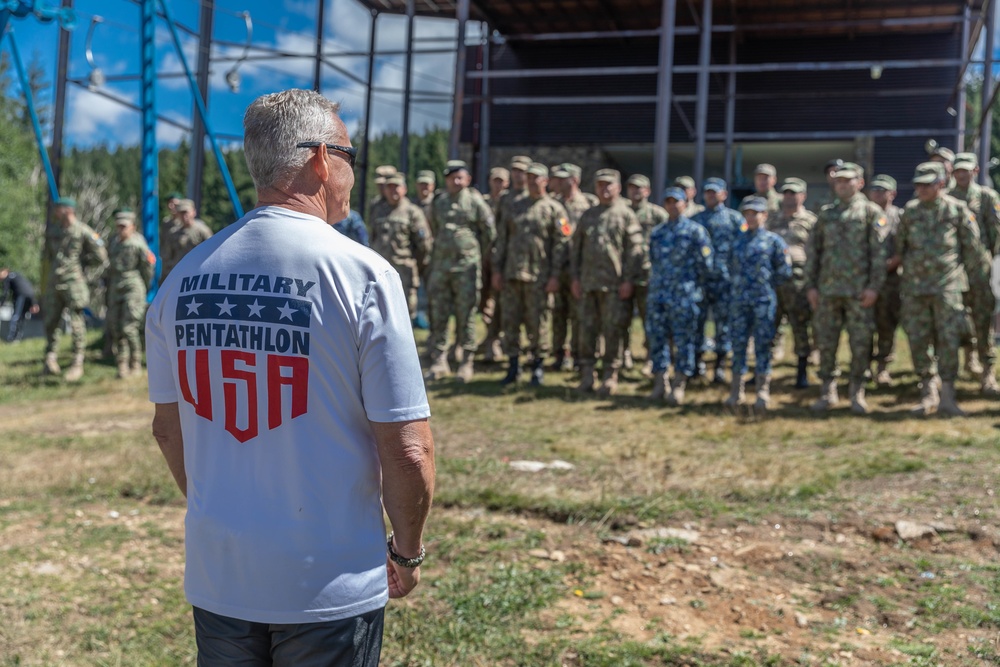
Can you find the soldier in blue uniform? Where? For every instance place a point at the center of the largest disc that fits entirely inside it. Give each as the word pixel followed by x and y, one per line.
pixel 723 225
pixel 681 259
pixel 758 264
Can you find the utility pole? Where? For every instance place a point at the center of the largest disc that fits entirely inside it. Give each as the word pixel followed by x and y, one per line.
pixel 196 163
pixel 320 28
pixel 59 111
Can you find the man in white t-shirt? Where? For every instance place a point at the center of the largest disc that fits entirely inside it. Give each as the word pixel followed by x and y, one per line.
pixel 291 410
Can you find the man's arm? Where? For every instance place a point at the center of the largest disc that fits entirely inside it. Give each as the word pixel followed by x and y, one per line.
pixel 406 453
pixel 167 431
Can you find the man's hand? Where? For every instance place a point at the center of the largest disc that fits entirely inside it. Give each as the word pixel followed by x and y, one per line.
pixel 577 289
pixel 552 286
pixel 868 298
pixel 813 297
pixel 625 291
pixel 402 580
pixel 497 282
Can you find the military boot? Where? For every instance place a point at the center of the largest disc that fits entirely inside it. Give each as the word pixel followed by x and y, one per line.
pixel 801 374
pixel 972 365
pixel 828 397
pixel 537 372
pixel 929 399
pixel 439 368
pixel 513 370
pixel 736 391
pixel 763 393
pixel 75 371
pixel 587 378
pixel 52 364
pixel 610 384
pixel 677 388
pixel 466 370
pixel 948 406
pixel 988 382
pixel 659 386
pixel 882 377
pixel 857 393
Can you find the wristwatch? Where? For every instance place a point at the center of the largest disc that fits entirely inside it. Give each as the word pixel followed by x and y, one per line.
pixel 405 562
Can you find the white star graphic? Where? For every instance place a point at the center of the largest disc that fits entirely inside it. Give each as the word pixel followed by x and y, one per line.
pixel 225 307
pixel 193 307
pixel 255 308
pixel 286 312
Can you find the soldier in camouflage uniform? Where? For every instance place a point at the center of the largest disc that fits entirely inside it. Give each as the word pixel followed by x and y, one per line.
pixel 760 261
pixel 183 237
pixel 681 266
pixel 939 250
pixel 723 225
pixel 403 237
pixel 829 169
pixel 71 248
pixel 426 184
pixel 130 273
pixel 605 262
pixel 882 193
pixel 489 300
pixel 692 208
pixel 845 270
pixel 650 215
pixel 765 177
pixel 984 202
pixel 462 225
pixel 794 224
pixel 524 273
pixel 566 308
pixel 353 227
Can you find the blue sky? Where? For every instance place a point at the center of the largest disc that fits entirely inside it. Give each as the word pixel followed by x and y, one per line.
pixel 288 25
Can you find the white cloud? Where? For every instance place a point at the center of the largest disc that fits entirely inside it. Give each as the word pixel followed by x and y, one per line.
pixel 91 117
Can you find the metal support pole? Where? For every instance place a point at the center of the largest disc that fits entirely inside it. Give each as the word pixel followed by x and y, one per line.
pixel 59 108
pixel 459 101
pixel 730 111
pixel 29 100
pixel 318 63
pixel 664 92
pixel 404 143
pixel 962 101
pixel 196 160
pixel 986 126
pixel 485 109
pixel 150 168
pixel 701 106
pixel 363 165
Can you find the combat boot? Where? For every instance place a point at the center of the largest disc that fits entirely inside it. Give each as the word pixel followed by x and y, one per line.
pixel 466 370
pixel 719 374
pixel 659 386
pixel 677 388
pixel 801 374
pixel 858 404
pixel 988 383
pixel 972 365
pixel 537 372
pixel 929 399
pixel 513 369
pixel 736 391
pixel 882 377
pixel 828 397
pixel 610 384
pixel 763 393
pixel 587 378
pixel 52 364
pixel 948 406
pixel 75 371
pixel 124 370
pixel 627 362
pixel 439 368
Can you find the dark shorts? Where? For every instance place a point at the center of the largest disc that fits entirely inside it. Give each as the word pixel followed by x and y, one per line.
pixel 351 642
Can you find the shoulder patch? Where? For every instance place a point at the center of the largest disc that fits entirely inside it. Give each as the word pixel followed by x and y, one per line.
pixel 706 251
pixel 744 226
pixel 564 226
pixel 882 221
pixel 150 257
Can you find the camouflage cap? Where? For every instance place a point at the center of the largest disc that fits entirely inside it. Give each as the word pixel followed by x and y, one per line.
pixel 609 175
pixel 124 218
pixel 883 182
pixel 521 162
pixel 426 176
pixel 929 172
pixel 538 169
pixel 396 179
pixel 559 171
pixel 684 182
pixel 967 161
pixel 796 185
pixel 68 202
pixel 848 170
pixel 765 169
pixel 380 180
pixel 455 165
pixel 638 180
pixel 185 205
pixel 572 170
pixel 945 154
pixel 754 203
pixel 714 185
pixel 499 172
pixel 385 171
pixel 675 193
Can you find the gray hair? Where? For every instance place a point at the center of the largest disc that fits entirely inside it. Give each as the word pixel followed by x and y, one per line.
pixel 275 123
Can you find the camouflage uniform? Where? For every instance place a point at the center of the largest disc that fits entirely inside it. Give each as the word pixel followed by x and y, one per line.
pixel 845 256
pixel 130 272
pixel 402 236
pixel 180 241
pixel 68 252
pixel 723 225
pixel 792 301
pixel 773 200
pixel 353 227
pixel 606 251
pixel 530 231
pixel 565 309
pixel 462 226
pixel 650 215
pixel 888 306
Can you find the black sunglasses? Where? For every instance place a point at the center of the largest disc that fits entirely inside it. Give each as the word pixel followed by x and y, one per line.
pixel 350 151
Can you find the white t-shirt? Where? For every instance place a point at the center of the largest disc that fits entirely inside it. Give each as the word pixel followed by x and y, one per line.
pixel 280 339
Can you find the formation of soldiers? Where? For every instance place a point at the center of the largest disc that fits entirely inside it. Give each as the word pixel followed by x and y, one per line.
pixel 556 271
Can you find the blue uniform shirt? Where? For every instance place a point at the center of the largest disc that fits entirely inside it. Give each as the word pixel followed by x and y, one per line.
pixel 353 227
pixel 682 259
pixel 724 226
pixel 759 262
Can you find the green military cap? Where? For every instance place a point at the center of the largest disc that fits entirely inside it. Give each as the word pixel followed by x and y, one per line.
pixel 521 162
pixel 796 185
pixel 612 175
pixel 765 169
pixel 684 182
pixel 499 172
pixel 929 172
pixel 572 170
pixel 638 180
pixel 385 171
pixel 849 170
pixel 396 179
pixel 967 161
pixel 124 218
pixel 426 176
pixel 538 169
pixel 883 182
pixel 68 202
pixel 455 165
pixel 185 205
